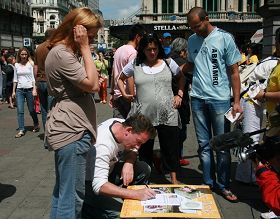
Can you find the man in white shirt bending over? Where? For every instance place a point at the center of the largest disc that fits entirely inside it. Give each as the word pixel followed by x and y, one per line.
pixel 113 165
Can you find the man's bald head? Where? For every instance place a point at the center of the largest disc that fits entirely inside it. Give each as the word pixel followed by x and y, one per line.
pixel 198 21
pixel 197 11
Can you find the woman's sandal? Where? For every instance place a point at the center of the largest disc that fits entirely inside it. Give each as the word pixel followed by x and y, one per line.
pixel 19 134
pixel 228 195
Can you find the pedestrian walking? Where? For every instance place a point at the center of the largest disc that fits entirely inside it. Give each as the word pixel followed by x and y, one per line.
pixel 24 89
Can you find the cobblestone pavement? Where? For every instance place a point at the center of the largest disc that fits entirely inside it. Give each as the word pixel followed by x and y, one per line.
pixel 27 173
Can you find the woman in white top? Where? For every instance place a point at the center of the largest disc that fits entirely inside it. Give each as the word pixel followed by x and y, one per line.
pixel 24 88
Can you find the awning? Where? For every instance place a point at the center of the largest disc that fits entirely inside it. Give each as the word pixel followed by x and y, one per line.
pixel 257 37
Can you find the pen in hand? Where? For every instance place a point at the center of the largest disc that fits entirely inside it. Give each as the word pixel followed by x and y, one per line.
pixel 153 191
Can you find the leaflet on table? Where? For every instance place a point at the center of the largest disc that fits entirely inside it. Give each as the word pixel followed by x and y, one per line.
pixel 164 199
pixel 170 199
pixel 165 209
pixel 196 202
pixel 187 192
pixel 187 204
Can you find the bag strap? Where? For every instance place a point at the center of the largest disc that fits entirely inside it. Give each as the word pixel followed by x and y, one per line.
pixel 271 58
pixel 167 62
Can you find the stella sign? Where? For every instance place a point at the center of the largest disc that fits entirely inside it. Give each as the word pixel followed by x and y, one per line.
pixel 170 27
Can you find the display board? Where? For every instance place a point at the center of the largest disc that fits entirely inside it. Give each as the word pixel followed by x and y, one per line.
pixel 173 201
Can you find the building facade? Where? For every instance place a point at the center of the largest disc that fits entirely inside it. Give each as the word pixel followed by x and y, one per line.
pixel 15 23
pixel 238 17
pixel 270 12
pixel 24 22
pixel 50 13
pixel 93 4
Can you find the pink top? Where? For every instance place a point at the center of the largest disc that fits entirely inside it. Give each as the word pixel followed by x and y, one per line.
pixel 123 55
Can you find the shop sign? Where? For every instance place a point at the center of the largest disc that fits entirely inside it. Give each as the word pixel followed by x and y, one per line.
pixel 170 27
pixel 26 42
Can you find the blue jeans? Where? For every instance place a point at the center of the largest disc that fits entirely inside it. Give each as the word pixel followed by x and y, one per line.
pixel 21 95
pixel 69 189
pixel 208 116
pixel 4 88
pixel 1 84
pixel 45 100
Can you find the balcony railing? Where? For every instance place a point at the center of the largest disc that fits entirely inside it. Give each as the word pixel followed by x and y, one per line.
pixel 40 19
pixel 232 15
pixel 213 16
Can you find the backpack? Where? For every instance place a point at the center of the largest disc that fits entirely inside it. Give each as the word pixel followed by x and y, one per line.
pixel 247 75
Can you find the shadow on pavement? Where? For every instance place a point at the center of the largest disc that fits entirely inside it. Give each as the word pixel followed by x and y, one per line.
pixel 6 191
pixel 41 136
pixel 189 176
pixel 28 128
pixel 184 175
pixel 190 157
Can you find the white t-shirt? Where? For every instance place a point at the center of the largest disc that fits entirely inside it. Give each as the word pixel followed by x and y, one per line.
pixel 23 75
pixel 263 69
pixel 108 152
pixel 129 68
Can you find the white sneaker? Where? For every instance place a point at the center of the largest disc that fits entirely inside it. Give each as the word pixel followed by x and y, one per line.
pixel 269 215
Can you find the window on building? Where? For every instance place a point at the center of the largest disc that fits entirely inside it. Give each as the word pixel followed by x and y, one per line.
pixel 252 5
pixel 240 5
pixel 210 5
pixel 42 27
pixel 52 17
pixel 180 6
pixel 41 14
pixel 155 6
pixel 167 6
pixel 52 24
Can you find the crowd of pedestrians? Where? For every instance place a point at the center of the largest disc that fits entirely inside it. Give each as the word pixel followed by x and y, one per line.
pixel 156 83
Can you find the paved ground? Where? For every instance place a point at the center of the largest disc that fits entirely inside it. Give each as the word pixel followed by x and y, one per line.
pixel 27 173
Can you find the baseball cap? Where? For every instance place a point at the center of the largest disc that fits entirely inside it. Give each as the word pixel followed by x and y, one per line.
pixel 166 34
